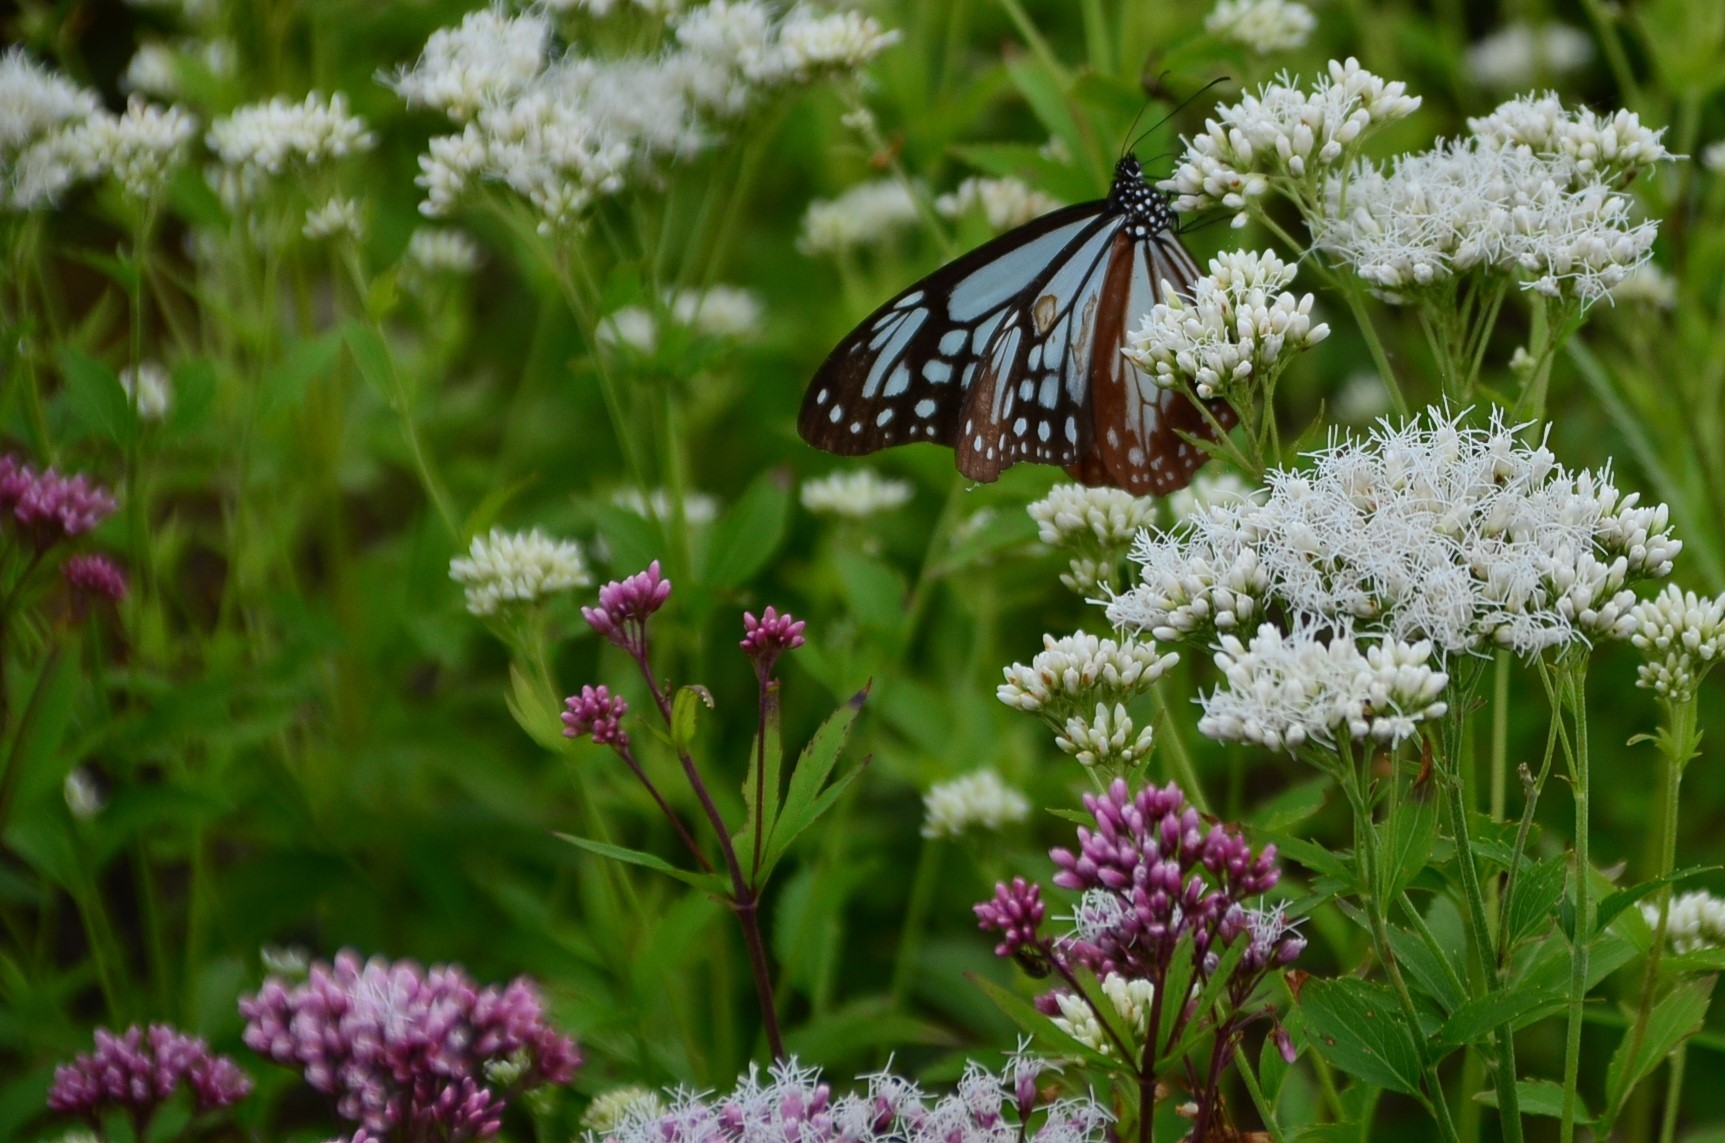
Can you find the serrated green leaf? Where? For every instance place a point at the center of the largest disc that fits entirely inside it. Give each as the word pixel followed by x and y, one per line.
pixel 685 711
pixel 1408 837
pixel 706 882
pixel 1674 1019
pixel 1425 970
pixel 1539 1097
pixel 1533 902
pixel 1478 1017
pixel 1356 1026
pixel 804 800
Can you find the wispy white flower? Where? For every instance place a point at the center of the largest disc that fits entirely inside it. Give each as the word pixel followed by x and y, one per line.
pixel 1130 999
pixel 1611 148
pixel 1233 335
pixel 34 100
pixel 865 214
pixel 975 801
pixel 1285 136
pixel 265 138
pixel 1005 203
pixel 844 41
pixel 340 217
pixel 1265 26
pixel 148 387
pixel 1212 487
pixel 1467 537
pixel 856 492
pixel 1282 691
pixel 1071 675
pixel 1106 738
pixel 517 567
pixel 1680 635
pixel 1693 921
pixel 137 148
pixel 699 508
pixel 488 58
pixel 1520 54
pixel 611 1110
pixel 431 251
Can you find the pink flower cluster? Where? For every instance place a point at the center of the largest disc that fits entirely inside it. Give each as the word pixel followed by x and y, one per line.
pixel 401 1048
pixel 139 1070
pixel 47 507
pixel 598 712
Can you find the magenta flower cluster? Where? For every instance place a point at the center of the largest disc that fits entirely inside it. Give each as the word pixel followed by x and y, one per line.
pixel 47 507
pixel 419 1053
pixel 139 1070
pixel 94 577
pixel 770 636
pixel 598 712
pixel 625 606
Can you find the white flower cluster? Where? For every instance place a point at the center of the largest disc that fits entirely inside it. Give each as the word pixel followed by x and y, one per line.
pixel 1469 205
pixel 867 213
pixel 1285 136
pixel 1518 54
pixel 148 387
pixel 610 1110
pixel 975 801
pixel 699 508
pixel 339 217
pixel 1265 26
pixel 517 567
pixel 1610 149
pixel 156 67
pixel 138 148
pixel 791 1102
pixel 37 107
pixel 1108 738
pixel 1004 203
pixel 563 130
pixel 1233 336
pixel 1693 921
pixel 433 251
pixel 1088 519
pixel 856 493
pixel 261 140
pixel 1681 635
pixel 1467 537
pixel 1130 999
pixel 1071 674
pixel 718 311
pixel 1282 691
pixel 1647 284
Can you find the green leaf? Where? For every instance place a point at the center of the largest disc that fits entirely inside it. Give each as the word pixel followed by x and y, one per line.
pixel 1539 1097
pixel 1293 805
pixel 1425 970
pixel 706 882
pixel 1272 1070
pixel 1623 898
pixel 1533 902
pixel 1034 1024
pixel 1479 1017
pixel 1674 1019
pixel 804 800
pixel 1356 1026
pixel 685 709
pixel 95 398
pixel 1207 1001
pixel 535 710
pixel 633 541
pixel 1409 835
pixel 766 760
pixel 284 384
pixel 748 535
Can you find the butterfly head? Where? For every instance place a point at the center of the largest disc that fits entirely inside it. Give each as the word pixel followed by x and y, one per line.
pixel 1148 209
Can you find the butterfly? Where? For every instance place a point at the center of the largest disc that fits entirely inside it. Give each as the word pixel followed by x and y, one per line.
pixel 1011 353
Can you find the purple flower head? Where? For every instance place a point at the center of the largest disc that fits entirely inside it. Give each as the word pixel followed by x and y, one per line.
pixel 49 507
pixel 138 1071
pixel 625 605
pixel 1016 912
pixel 770 636
pixel 598 712
pixel 16 478
pixel 92 578
pixel 401 1047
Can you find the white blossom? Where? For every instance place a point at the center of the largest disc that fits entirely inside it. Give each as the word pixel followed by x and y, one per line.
pixel 1467 537
pixel 153 70
pixel 699 508
pixel 148 388
pixel 1004 203
pixel 1610 148
pixel 431 251
pixel 1106 738
pixel 1680 635
pixel 137 148
pixel 488 58
pixel 1078 516
pixel 611 1110
pixel 1265 26
pixel 975 801
pixel 517 567
pixel 35 100
pixel 1131 1001
pixel 263 139
pixel 1283 691
pixel 1233 335
pixel 1649 285
pixel 1284 133
pixel 866 214
pixel 844 41
pixel 1713 157
pixel 718 311
pixel 855 493
pixel 83 794
pixel 340 217
pixel 1073 673
pixel 1518 54
pixel 1693 921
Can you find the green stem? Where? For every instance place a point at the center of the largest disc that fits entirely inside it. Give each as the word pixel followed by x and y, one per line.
pixel 1266 1110
pixel 1673 1095
pixel 1573 688
pixel 922 888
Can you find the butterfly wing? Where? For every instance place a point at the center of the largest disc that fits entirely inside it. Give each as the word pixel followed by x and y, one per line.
pixel 903 374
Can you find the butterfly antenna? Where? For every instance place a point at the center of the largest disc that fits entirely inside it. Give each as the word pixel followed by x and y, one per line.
pixel 1181 106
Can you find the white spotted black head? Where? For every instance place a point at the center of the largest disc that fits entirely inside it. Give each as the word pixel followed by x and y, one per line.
pixel 1147 209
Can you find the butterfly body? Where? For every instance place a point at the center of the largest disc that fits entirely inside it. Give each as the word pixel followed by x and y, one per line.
pixel 1011 353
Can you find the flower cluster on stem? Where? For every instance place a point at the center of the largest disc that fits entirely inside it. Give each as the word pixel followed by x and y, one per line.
pixel 141 1069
